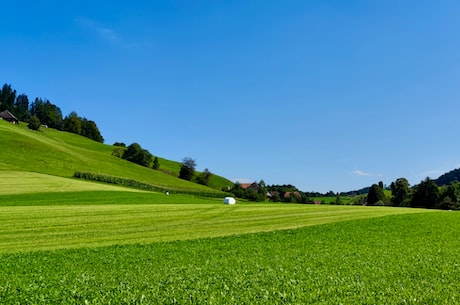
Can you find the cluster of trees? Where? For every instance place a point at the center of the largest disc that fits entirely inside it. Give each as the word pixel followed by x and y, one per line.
pixel 257 191
pixel 187 172
pixel 427 194
pixel 136 154
pixel 43 112
pixel 288 193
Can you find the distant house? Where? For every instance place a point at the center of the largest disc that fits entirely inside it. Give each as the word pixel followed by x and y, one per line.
pixel 252 186
pixel 8 116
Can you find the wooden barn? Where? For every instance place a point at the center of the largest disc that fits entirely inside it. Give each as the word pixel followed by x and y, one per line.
pixel 8 116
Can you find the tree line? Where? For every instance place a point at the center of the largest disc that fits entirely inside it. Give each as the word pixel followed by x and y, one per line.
pixel 41 112
pixel 426 194
pixel 136 154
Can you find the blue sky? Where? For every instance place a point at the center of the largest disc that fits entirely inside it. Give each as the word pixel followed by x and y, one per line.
pixel 325 95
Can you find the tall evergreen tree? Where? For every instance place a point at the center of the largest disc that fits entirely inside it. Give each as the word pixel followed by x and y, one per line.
pixel 7 98
pixel 21 108
pixel 47 113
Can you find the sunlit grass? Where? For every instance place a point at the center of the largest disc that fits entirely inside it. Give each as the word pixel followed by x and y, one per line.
pixel 42 227
pixel 61 154
pixel 17 182
pixel 399 259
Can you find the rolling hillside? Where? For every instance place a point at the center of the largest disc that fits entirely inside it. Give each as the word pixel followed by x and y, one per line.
pixel 58 153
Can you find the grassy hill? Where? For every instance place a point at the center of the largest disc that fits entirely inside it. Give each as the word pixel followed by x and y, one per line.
pixel 58 153
pixel 70 241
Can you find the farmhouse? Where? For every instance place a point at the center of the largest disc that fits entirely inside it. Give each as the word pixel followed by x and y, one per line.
pixel 8 116
pixel 252 186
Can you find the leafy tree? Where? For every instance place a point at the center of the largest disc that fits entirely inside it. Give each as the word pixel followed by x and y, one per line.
pixel 449 198
pixel 375 195
pixel 89 129
pixel 47 113
pixel 136 154
pixel 156 163
pixel 34 123
pixel 121 144
pixel 400 192
pixel 187 169
pixel 204 177
pixel 426 194
pixel 73 123
pixel 338 199
pixel 21 108
pixel 7 97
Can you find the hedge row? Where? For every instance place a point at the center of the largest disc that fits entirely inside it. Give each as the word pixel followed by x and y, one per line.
pixel 138 184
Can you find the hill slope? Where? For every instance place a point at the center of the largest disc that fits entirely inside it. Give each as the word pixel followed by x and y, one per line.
pixel 58 153
pixel 447 178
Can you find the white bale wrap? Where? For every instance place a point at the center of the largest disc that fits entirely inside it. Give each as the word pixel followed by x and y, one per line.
pixel 229 200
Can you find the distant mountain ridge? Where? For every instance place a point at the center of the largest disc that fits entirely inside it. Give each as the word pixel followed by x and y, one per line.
pixel 447 178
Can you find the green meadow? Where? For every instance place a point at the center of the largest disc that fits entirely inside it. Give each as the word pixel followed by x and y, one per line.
pixel 408 258
pixel 70 241
pixel 61 154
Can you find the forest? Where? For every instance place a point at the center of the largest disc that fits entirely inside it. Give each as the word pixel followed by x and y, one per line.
pixel 43 113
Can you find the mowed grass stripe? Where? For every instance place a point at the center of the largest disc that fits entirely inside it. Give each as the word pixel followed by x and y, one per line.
pixel 30 228
pixel 19 182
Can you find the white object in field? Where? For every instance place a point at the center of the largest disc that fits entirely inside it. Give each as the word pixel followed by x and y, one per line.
pixel 229 200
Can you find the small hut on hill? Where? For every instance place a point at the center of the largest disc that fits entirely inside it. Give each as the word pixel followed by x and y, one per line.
pixel 8 116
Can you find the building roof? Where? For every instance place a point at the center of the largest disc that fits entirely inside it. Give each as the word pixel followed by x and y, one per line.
pixel 6 115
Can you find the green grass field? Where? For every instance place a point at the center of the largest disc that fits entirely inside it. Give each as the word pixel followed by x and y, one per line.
pixel 69 241
pixel 397 259
pixel 49 227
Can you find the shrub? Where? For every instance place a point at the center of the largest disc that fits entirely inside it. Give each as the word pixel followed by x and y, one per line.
pixel 34 123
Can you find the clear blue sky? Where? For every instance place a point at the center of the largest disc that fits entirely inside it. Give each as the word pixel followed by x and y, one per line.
pixel 325 95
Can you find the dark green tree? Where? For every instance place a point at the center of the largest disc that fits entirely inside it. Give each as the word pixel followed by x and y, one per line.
pixel 156 163
pixel 204 177
pixel 47 113
pixel 426 194
pixel 21 108
pixel 34 123
pixel 338 199
pixel 262 191
pixel 400 192
pixel 187 170
pixel 449 198
pixel 7 98
pixel 89 129
pixel 375 195
pixel 73 123
pixel 136 154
